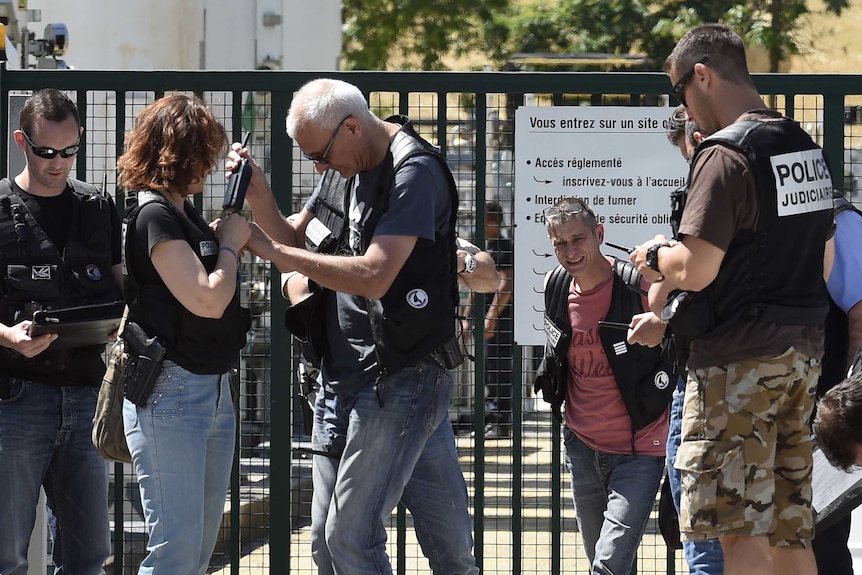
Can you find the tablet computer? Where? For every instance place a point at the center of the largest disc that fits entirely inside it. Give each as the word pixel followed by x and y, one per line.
pixel 835 493
pixel 79 326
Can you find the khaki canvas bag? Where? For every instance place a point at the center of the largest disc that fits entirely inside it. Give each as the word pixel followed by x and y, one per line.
pixel 109 436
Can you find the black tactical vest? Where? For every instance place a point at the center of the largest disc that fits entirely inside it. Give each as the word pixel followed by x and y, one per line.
pixel 772 272
pixel 37 276
pixel 417 315
pixel 198 344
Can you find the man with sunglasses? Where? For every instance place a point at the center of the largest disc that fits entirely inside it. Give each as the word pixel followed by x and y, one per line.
pixel 59 247
pixel 748 264
pixel 377 239
pixel 703 557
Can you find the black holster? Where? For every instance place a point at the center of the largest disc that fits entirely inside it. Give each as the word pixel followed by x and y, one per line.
pixel 449 355
pixel 145 364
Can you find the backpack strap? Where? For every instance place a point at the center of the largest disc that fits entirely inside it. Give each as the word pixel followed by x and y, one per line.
pixel 556 301
pixel 629 274
pixel 132 288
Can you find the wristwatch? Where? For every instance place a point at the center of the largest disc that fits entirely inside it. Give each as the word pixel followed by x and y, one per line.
pixel 469 263
pixel 652 256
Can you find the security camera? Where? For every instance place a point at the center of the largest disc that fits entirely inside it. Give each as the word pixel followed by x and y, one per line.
pixel 56 39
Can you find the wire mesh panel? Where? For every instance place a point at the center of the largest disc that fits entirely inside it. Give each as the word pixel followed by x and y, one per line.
pixel 508 444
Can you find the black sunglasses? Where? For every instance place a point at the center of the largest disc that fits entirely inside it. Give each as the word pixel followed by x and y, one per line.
pixel 321 159
pixel 51 153
pixel 678 89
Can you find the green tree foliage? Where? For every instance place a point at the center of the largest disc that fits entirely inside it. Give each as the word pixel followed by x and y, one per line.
pixel 568 26
pixel 374 30
pixel 769 24
pixel 427 30
pixel 650 27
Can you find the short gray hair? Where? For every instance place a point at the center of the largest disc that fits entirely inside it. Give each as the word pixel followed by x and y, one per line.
pixel 567 209
pixel 325 102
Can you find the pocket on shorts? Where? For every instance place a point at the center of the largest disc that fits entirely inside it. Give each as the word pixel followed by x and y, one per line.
pixel 712 486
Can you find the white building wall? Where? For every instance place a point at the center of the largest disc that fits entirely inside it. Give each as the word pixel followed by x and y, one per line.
pixel 312 18
pixel 196 34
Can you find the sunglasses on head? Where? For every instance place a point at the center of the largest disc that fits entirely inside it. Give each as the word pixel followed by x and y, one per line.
pixel 51 153
pixel 571 208
pixel 678 89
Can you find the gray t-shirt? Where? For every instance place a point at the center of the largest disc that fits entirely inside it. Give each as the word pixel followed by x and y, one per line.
pixel 419 205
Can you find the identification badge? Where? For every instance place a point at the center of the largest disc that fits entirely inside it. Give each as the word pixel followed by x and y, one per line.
pixel 317 233
pixel 208 248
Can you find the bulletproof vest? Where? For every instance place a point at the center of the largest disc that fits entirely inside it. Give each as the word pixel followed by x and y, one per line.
pixel 327 232
pixel 760 277
pixel 200 345
pixel 417 314
pixel 37 276
pixel 642 376
pixel 836 344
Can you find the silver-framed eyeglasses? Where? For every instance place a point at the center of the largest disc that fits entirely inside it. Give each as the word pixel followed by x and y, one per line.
pixel 322 158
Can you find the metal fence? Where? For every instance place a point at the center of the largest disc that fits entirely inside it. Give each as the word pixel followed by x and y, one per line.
pixel 523 516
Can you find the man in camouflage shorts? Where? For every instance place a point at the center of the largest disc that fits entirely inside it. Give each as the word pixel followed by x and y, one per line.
pixel 747 270
pixel 736 473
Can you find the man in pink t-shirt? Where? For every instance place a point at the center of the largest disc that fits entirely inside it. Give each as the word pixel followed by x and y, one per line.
pixel 616 386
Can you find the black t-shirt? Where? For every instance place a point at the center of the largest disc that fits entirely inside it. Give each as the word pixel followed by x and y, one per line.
pixel 52 215
pixel 156 223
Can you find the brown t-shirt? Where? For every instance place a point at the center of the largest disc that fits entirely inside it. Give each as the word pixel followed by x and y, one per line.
pixel 722 202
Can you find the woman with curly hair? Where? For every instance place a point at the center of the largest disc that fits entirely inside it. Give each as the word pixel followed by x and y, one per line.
pixel 180 286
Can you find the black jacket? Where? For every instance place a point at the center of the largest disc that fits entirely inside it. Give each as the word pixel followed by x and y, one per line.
pixel 642 376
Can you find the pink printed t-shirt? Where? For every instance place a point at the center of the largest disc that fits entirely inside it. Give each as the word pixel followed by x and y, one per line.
pixel 594 409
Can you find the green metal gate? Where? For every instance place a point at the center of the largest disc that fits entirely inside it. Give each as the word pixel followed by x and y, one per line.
pixel 523 516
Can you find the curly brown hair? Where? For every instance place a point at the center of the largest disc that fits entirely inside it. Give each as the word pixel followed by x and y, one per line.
pixel 176 140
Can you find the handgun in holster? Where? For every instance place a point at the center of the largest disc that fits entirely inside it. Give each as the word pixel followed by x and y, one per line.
pixel 145 364
pixel 449 355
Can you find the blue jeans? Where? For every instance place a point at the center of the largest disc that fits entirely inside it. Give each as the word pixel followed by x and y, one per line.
pixel 614 495
pixel 182 446
pixel 703 557
pixel 45 440
pixel 403 450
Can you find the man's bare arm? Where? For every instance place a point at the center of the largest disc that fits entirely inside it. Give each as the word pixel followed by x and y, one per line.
pixel 368 275
pixel 691 264
pixel 483 279
pixel 500 301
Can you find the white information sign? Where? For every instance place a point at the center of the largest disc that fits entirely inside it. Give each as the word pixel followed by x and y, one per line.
pixel 617 159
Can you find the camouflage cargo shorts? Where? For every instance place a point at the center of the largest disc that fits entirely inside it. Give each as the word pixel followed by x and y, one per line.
pixel 746 447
